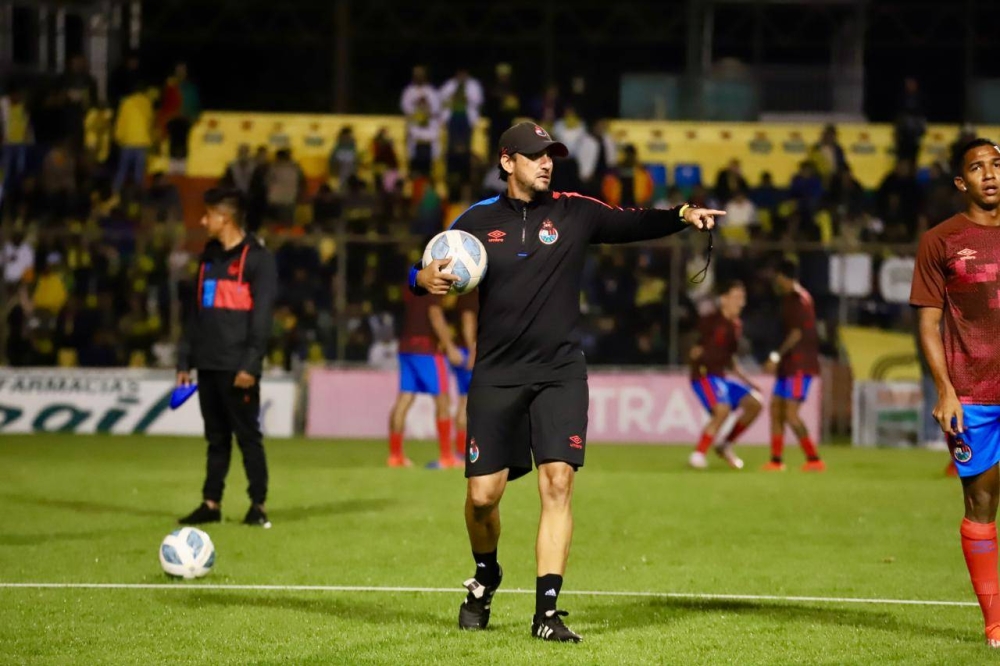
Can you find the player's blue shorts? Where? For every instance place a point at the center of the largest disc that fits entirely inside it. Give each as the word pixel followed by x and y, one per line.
pixel 795 387
pixel 978 448
pixel 463 376
pixel 423 373
pixel 713 390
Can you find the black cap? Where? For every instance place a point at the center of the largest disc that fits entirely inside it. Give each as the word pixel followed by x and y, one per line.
pixel 528 138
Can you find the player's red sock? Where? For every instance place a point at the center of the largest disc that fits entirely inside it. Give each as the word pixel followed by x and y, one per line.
pixel 705 443
pixel 777 446
pixel 979 545
pixel 737 430
pixel 809 448
pixel 444 438
pixel 396 444
pixel 460 443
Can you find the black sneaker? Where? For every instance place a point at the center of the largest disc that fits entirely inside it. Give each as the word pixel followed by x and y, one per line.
pixel 203 514
pixel 550 627
pixel 256 517
pixel 475 610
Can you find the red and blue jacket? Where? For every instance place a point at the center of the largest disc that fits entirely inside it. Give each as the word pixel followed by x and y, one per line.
pixel 229 324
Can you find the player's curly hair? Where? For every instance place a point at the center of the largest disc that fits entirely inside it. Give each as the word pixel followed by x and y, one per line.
pixel 971 145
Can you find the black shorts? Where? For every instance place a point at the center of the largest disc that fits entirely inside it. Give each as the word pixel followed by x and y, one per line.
pixel 509 424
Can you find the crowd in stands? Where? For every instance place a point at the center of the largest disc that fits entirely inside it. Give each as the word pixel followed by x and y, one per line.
pixel 94 247
pixel 98 261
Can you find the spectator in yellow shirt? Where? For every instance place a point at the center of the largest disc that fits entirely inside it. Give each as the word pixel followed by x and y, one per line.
pixel 134 134
pixel 15 137
pixel 50 295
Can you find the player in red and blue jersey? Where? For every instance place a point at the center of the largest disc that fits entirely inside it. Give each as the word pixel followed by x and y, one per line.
pixel 956 281
pixel 711 359
pixel 422 369
pixel 797 362
pixel 465 321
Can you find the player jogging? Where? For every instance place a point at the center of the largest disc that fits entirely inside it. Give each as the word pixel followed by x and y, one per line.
pixel 529 394
pixel 714 355
pixel 956 280
pixel 422 369
pixel 797 362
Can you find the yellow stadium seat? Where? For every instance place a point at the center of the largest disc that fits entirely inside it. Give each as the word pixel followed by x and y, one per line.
pixel 786 208
pixel 303 215
pixel 824 221
pixel 315 354
pixel 277 358
pixel 736 235
pixel 764 219
pixel 774 147
pixel 67 358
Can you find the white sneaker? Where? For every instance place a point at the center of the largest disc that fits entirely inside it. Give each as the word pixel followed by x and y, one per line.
pixel 697 460
pixel 726 453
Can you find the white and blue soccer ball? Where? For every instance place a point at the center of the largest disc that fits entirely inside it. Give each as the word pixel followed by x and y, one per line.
pixel 187 553
pixel 468 258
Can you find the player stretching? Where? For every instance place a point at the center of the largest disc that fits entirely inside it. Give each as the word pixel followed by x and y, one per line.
pixel 529 395
pixel 797 362
pixel 422 369
pixel 956 279
pixel 715 354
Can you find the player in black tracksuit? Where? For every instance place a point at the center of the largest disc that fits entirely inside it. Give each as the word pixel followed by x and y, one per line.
pixel 225 339
pixel 529 391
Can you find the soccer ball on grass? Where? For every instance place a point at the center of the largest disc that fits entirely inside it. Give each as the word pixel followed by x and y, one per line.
pixel 187 553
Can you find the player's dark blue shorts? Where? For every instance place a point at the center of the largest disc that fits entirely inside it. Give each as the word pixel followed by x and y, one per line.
pixel 713 390
pixel 462 373
pixel 794 387
pixel 423 373
pixel 978 448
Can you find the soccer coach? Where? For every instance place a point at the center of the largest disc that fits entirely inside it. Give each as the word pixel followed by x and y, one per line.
pixel 529 394
pixel 225 339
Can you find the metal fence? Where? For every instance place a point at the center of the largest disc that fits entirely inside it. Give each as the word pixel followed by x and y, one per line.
pixel 638 301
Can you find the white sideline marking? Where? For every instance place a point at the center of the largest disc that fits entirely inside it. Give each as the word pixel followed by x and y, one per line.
pixel 450 590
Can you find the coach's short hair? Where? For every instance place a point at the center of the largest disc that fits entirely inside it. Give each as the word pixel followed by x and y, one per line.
pixel 228 197
pixel 971 145
pixel 789 268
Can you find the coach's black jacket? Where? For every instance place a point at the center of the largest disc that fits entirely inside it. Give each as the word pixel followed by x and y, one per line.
pixel 228 325
pixel 529 301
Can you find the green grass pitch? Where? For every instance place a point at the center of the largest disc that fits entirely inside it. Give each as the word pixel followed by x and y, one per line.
pixel 878 525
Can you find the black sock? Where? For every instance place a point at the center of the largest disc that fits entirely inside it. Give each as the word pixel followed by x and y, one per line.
pixel 487 569
pixel 776 460
pixel 547 589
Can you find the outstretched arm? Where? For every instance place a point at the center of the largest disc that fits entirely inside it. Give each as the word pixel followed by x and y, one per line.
pixel 626 225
